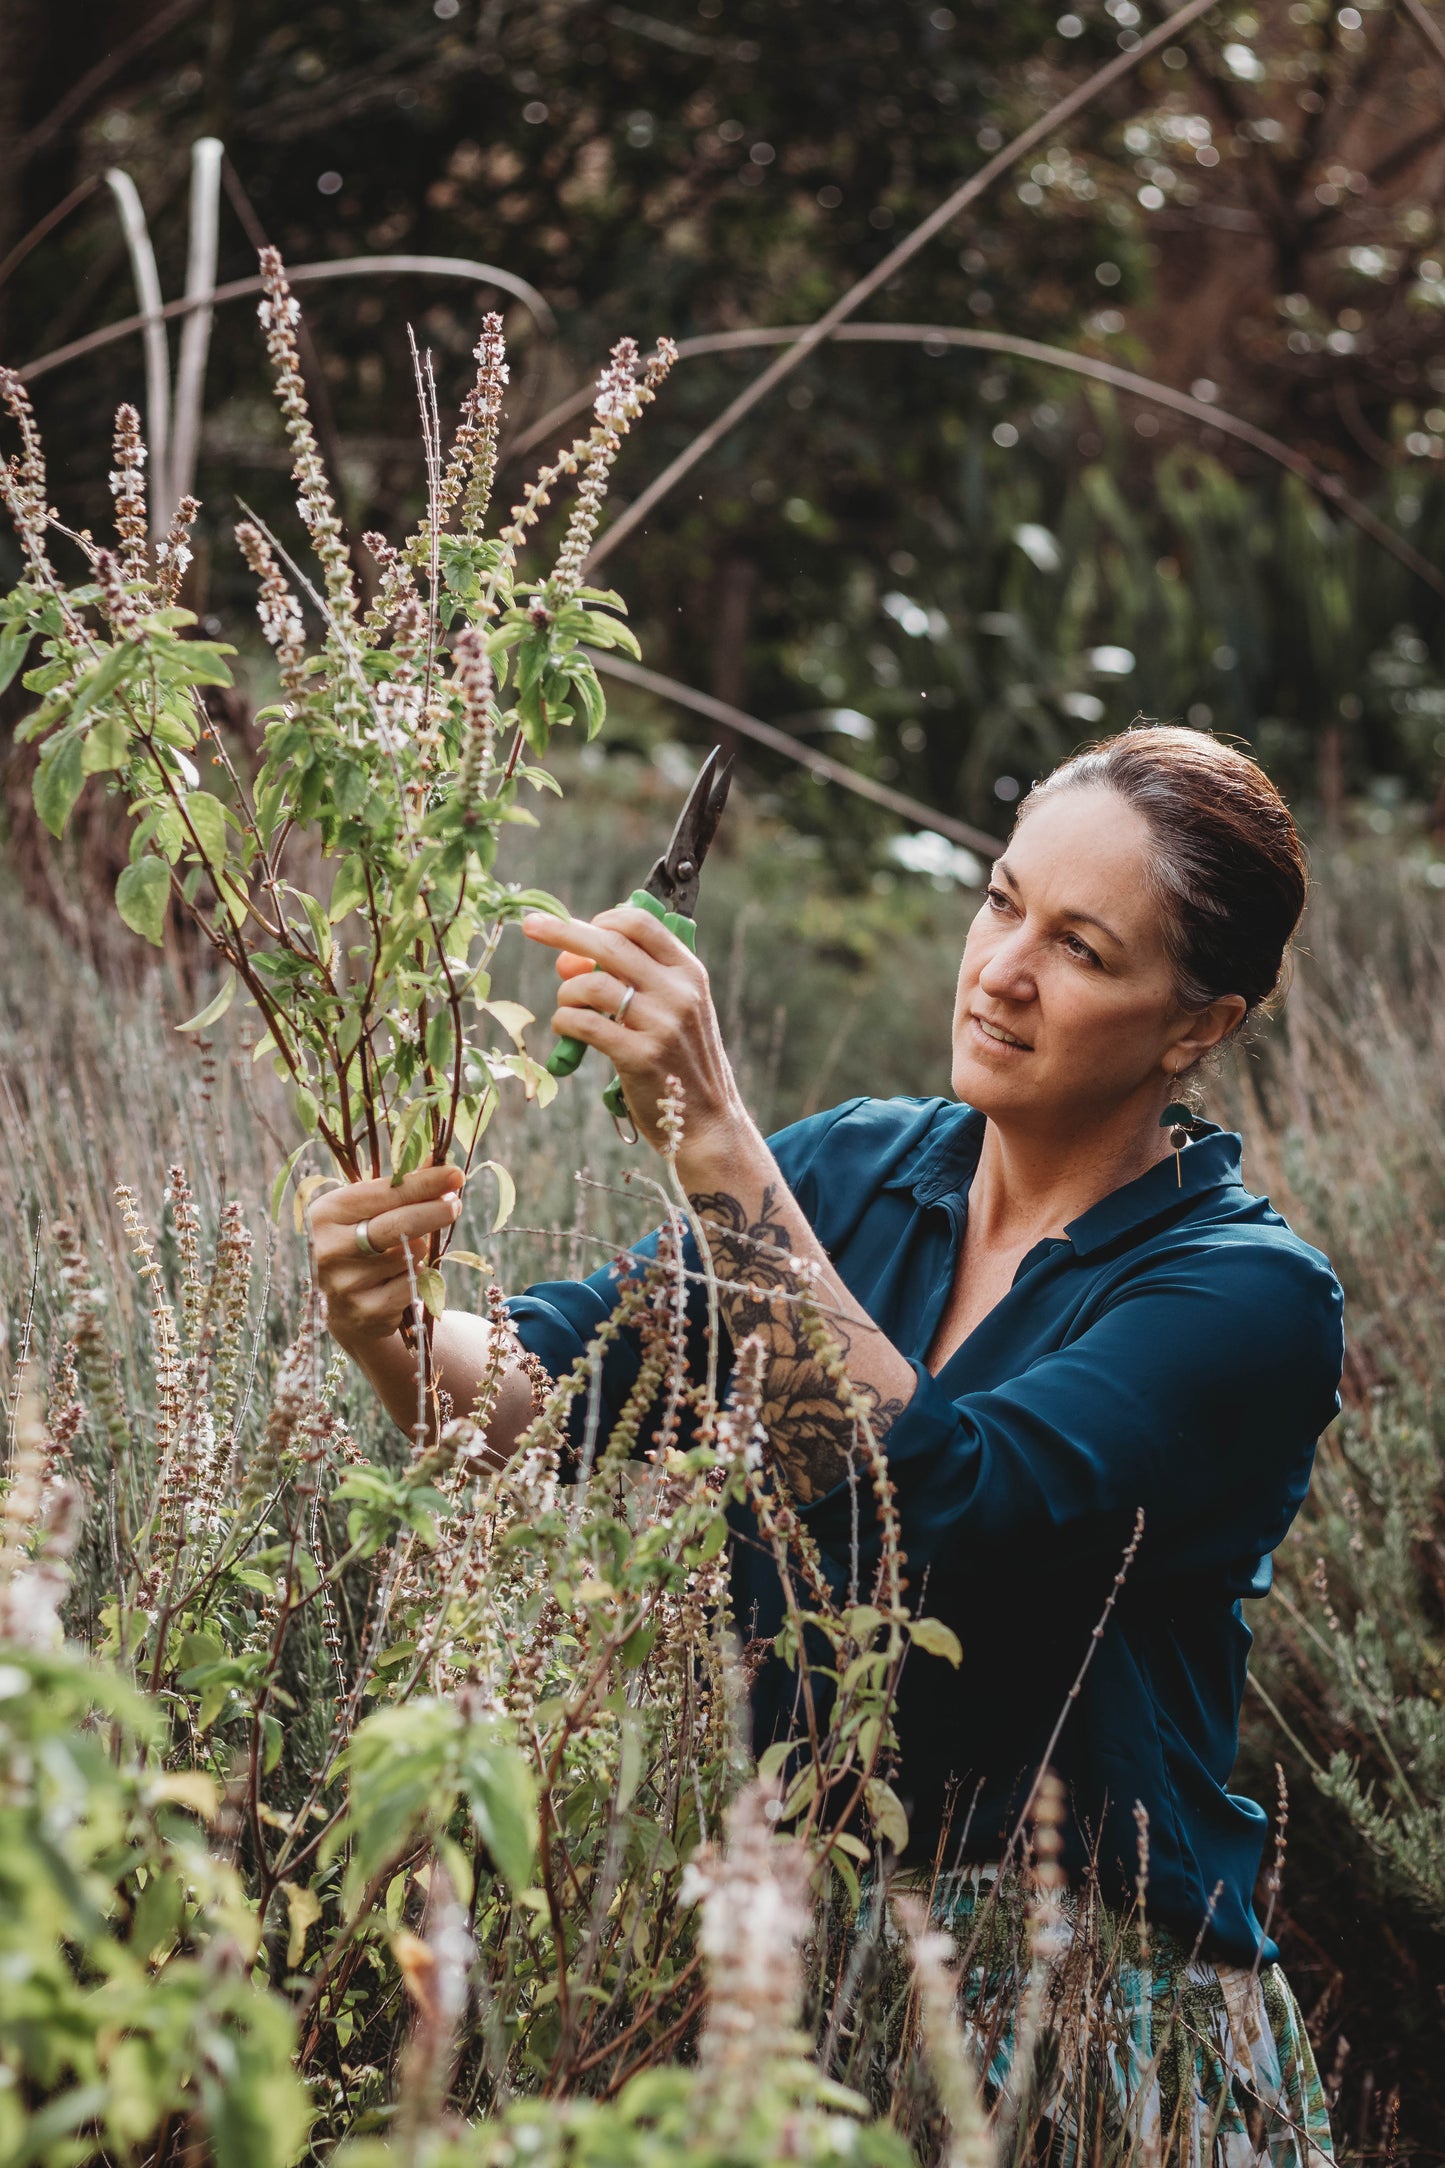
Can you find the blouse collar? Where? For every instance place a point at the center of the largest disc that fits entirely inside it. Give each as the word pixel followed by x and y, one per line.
pixel 944 1162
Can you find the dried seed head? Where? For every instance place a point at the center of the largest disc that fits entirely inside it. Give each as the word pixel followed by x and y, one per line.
pixel 127 486
pixel 753 1923
pixel 38 1530
pixel 397 583
pixel 278 610
pixel 1048 1928
pixel 476 681
pixel 399 698
pixel 67 1410
pixel 621 397
pixel 741 1433
pixel 291 1397
pixel 173 559
pixel 280 314
pixel 946 2049
pixel 435 1971
pixel 121 609
pixel 473 462
pixel 22 478
pixel 671 1117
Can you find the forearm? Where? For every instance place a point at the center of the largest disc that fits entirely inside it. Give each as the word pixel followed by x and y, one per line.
pixel 461 1344
pixel 754 1228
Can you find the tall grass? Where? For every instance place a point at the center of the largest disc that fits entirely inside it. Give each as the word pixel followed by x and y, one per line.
pixel 1344 1116
pixel 427 1990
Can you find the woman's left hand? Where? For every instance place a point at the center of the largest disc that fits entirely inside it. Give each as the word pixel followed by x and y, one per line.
pixel 670 1028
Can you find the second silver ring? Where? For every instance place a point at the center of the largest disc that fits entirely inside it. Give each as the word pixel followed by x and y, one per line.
pixel 619 1014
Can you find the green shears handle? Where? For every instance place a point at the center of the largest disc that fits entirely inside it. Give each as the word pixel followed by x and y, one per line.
pixel 567 1054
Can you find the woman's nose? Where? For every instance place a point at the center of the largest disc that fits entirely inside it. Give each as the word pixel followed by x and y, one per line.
pixel 1005 973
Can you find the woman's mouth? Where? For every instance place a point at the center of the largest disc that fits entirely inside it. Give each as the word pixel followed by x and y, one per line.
pixel 995 1035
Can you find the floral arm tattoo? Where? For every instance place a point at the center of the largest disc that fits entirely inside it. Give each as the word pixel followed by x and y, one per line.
pixel 811 1430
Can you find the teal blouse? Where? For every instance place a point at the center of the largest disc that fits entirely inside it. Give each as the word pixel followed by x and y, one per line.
pixel 1178 1349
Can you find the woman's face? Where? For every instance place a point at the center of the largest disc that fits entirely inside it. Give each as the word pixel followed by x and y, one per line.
pixel 1065 1010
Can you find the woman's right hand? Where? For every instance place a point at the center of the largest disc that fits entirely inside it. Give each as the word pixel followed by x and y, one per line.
pixel 367 1297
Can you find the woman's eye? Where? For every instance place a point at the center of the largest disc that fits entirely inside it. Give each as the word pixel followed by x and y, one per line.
pixel 1081 949
pixel 998 901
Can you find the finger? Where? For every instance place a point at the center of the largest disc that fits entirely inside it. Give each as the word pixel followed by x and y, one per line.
pixel 554 933
pixel 613 950
pixel 597 990
pixel 615 1040
pixel 570 966
pixel 350 1268
pixel 388 1230
pixel 364 1200
pixel 647 933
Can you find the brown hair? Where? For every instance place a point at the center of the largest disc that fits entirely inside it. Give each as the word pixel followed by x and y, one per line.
pixel 1229 870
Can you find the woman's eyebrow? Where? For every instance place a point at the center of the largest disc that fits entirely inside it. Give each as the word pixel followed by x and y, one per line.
pixel 1085 918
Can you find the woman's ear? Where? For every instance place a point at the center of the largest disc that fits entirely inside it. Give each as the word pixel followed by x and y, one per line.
pixel 1202 1030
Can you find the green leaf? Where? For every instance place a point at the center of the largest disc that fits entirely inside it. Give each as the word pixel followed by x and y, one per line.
pixel 141 894
pixel 500 1791
pixel 801 1792
pixel 401 1771
pixel 773 1759
pixel 713 1538
pixel 348 891
pixel 847 1876
pixel 213 1009
pixel 593 701
pixel 512 1017
pixel 14 646
pixel 103 678
pixel 106 747
pixel 439 1040
pixel 303 1910
pixel 232 895
pixel 58 782
pixel 208 818
pixel 537 899
pixel 202 664
pixel 506 1194
pixel 889 1816
pixel 432 1288
pixel 607 632
pixel 320 926
pixel 407 1134
pixel 473 1116
pixel 938 1639
pixel 278 1187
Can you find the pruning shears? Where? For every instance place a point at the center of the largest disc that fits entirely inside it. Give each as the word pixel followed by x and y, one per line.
pixel 669 893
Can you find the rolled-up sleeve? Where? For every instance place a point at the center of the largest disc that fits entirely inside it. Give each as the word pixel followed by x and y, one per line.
pixel 1195 1391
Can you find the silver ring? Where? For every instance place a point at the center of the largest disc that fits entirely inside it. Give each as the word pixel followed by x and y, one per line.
pixel 620 1012
pixel 363 1240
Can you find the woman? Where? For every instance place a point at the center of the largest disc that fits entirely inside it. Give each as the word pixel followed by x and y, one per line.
pixel 1058 1321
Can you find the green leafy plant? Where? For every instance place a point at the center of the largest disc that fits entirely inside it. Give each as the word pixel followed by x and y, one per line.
pixel 441 1720
pixel 401 744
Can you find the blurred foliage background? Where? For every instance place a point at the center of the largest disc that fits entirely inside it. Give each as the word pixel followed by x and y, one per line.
pixel 947 566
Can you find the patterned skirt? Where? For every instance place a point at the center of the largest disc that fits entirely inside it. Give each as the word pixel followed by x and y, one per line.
pixel 1145 2055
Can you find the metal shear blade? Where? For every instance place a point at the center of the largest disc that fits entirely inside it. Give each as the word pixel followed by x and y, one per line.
pixel 674 879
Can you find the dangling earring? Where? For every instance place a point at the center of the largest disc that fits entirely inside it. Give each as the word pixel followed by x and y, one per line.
pixel 1179 1121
